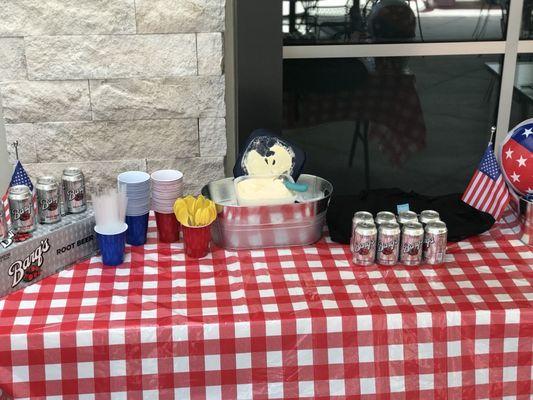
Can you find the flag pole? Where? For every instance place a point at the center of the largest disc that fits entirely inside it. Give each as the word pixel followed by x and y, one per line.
pixel 492 135
pixel 16 146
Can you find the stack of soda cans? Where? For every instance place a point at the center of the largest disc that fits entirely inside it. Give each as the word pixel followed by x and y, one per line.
pixel 408 238
pixel 52 202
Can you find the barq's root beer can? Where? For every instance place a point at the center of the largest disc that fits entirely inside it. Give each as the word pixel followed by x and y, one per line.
pixel 407 216
pixel 74 190
pixel 428 216
pixel 358 217
pixel 388 243
pixel 362 216
pixel 435 242
pixel 385 216
pixel 364 243
pixel 412 243
pixel 21 209
pixel 4 233
pixel 48 200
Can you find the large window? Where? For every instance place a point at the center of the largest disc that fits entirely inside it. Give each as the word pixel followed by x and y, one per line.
pixel 418 123
pixel 390 21
pixel 396 93
pixel 522 105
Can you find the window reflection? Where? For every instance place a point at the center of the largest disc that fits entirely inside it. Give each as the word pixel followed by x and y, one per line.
pixel 417 123
pixel 527 20
pixel 522 107
pixel 389 21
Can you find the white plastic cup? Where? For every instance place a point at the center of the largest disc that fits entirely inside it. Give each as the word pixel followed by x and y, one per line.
pixel 166 176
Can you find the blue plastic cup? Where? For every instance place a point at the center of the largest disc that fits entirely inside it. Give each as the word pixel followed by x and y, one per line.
pixel 111 241
pixel 137 229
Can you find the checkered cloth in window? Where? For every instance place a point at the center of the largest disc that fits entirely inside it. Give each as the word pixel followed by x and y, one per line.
pixel 389 102
pixel 279 323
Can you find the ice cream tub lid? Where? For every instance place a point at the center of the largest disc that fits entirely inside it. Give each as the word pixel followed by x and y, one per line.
pixel 265 153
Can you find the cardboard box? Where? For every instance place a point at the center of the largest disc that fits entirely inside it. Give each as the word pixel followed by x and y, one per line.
pixel 50 249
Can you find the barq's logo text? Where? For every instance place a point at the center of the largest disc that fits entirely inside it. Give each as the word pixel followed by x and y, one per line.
pixel 16 270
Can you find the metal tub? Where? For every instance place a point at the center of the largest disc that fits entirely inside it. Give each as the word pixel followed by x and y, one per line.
pixel 244 227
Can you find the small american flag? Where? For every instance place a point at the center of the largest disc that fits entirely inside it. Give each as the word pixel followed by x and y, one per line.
pixel 487 190
pixel 19 177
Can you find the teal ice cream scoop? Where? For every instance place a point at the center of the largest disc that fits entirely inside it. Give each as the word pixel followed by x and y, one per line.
pixel 295 187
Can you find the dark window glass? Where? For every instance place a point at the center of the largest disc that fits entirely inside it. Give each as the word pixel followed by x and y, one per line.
pixel 527 20
pixel 522 107
pixel 418 123
pixel 390 21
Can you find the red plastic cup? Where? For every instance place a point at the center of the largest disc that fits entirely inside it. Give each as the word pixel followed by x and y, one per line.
pixel 168 227
pixel 196 240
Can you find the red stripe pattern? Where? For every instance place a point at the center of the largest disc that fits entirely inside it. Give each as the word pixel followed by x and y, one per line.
pixel 299 322
pixel 487 191
pixel 5 203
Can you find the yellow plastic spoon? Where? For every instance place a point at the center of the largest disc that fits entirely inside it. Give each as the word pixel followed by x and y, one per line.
pixel 189 200
pixel 183 217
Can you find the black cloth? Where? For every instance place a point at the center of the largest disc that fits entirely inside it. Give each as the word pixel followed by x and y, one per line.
pixel 461 219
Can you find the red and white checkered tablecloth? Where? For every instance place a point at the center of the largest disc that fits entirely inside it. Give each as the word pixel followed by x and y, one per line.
pixel 280 323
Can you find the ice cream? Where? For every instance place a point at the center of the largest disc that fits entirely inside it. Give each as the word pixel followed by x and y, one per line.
pixel 278 161
pixel 263 190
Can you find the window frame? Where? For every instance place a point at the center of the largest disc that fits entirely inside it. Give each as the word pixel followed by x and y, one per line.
pixel 509 48
pixel 266 50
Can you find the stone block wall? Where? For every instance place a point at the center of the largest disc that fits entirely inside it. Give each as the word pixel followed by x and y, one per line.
pixel 112 85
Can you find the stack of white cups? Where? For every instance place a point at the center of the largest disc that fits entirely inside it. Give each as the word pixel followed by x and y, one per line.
pixel 167 186
pixel 136 185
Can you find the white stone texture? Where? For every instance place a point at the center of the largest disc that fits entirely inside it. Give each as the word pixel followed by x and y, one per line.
pixel 212 137
pixel 29 101
pixel 70 17
pixel 12 61
pixel 23 133
pixel 113 140
pixel 115 85
pixel 170 16
pixel 110 56
pixel 183 97
pixel 210 53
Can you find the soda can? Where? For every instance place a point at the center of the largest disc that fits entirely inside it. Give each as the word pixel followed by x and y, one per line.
pixel 407 216
pixel 388 243
pixel 364 243
pixel 74 190
pixel 435 242
pixel 427 216
pixel 385 216
pixel 48 200
pixel 412 243
pixel 4 233
pixel 362 216
pixel 21 209
pixel 358 217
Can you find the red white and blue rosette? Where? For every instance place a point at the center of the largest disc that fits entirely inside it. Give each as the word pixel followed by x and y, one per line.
pixel 516 158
